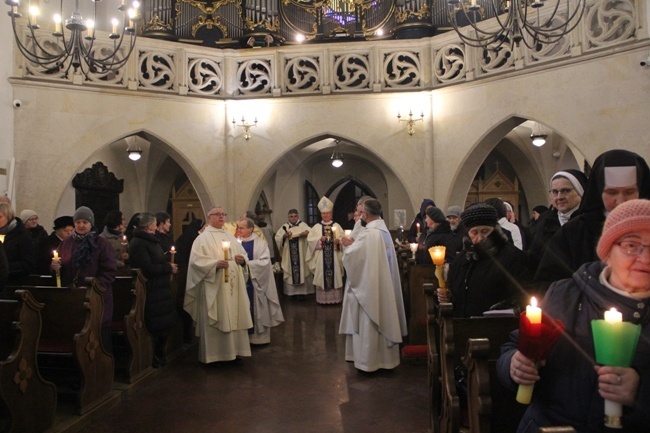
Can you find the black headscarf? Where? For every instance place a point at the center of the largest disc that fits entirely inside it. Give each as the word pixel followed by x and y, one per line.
pixel 593 200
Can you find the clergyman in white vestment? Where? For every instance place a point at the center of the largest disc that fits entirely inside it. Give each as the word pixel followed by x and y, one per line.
pixel 216 296
pixel 372 317
pixel 266 310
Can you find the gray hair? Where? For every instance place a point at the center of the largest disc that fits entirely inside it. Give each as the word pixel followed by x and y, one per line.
pixel 146 218
pixel 249 222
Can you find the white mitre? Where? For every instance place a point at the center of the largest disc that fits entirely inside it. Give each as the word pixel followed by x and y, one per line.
pixel 325 205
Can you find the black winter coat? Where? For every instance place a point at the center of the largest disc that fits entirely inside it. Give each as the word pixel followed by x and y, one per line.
pixel 20 254
pixel 441 235
pixel 146 254
pixel 486 274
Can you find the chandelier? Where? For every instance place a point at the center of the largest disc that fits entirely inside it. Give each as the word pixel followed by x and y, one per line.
pixel 73 43
pixel 535 22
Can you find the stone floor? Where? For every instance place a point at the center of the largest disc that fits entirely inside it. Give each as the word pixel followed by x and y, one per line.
pixel 299 383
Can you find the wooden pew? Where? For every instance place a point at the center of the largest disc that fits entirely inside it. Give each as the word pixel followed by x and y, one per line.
pixel 70 352
pixel 433 355
pixel 27 402
pixel 454 334
pixel 417 311
pixel 131 343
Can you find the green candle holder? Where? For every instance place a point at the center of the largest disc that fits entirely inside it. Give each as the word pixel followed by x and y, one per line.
pixel 615 343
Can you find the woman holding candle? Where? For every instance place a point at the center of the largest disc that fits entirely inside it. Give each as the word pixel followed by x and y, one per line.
pixel 570 388
pixel 488 270
pixel 84 254
pixel 438 233
pixel 114 233
pixel 159 309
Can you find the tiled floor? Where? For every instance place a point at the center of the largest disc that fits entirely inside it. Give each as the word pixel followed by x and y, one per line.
pixel 299 383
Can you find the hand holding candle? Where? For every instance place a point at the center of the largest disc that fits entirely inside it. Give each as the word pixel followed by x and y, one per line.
pixel 533 333
pixel 437 254
pixel 614 343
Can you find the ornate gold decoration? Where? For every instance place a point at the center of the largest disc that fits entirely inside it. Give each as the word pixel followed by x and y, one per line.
pixel 402 16
pixel 156 24
pixel 22 376
pixel 272 26
pixel 209 23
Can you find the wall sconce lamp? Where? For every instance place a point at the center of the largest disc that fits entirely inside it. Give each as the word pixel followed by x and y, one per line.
pixel 410 122
pixel 538 135
pixel 247 126
pixel 337 157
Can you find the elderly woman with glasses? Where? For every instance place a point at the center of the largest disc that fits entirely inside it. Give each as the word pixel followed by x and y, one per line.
pixel 570 388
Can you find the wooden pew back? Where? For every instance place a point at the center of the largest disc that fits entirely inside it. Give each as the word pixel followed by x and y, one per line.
pixel 27 402
pixel 417 317
pixel 72 330
pixel 454 334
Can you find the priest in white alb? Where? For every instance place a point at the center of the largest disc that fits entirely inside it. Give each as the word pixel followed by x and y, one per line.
pixel 216 295
pixel 262 293
pixel 291 240
pixel 372 317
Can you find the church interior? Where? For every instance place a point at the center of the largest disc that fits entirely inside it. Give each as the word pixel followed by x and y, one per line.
pixel 247 106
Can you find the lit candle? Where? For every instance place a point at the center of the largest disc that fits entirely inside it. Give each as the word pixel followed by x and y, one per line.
pixel 57 23
pixel 172 252
pixel 90 25
pixel 226 248
pixel 438 254
pixel 55 255
pixel 533 312
pixel 418 227
pixel 114 22
pixel 2 238
pixel 33 13
pixel 124 240
pixel 613 316
pixel 414 248
pixel 534 316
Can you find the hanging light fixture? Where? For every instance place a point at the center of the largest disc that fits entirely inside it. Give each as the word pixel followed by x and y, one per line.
pixel 538 135
pixel 134 151
pixel 535 22
pixel 74 44
pixel 337 157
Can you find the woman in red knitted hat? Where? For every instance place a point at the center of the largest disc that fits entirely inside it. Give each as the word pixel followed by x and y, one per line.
pixel 569 386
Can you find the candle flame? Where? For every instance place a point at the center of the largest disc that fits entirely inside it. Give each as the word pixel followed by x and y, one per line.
pixel 613 310
pixel 173 249
pixel 533 302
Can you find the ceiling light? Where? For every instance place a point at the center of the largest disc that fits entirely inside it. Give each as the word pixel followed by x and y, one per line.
pixel 134 154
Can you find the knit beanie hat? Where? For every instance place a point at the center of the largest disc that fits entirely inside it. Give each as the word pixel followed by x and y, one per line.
pixel 454 211
pixel 436 215
pixel 479 214
pixel 628 217
pixel 27 214
pixel 63 222
pixel 84 213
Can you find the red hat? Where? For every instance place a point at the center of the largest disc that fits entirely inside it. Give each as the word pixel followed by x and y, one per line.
pixel 629 217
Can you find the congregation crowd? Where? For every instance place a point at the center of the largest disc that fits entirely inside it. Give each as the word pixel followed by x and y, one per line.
pixel 588 251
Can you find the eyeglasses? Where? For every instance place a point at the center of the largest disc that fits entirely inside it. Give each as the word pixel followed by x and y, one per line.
pixel 632 248
pixel 563 191
pixel 218 214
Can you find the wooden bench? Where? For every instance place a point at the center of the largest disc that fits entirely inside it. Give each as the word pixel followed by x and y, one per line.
pixel 132 346
pixel 70 352
pixel 27 402
pixel 416 302
pixel 451 346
